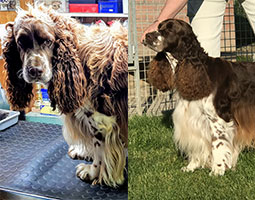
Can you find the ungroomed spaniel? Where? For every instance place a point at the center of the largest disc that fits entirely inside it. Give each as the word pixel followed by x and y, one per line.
pixel 214 116
pixel 85 71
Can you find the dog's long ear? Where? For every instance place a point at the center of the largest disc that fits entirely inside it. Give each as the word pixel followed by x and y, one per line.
pixel 19 93
pixel 118 81
pixel 67 87
pixel 160 73
pixel 192 80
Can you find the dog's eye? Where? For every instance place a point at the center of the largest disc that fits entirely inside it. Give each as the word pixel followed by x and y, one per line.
pixel 47 43
pixel 20 43
pixel 24 42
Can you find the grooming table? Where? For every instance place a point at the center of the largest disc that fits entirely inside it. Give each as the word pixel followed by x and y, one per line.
pixel 34 161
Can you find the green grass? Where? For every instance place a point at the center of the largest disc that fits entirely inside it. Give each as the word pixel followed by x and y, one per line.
pixel 155 168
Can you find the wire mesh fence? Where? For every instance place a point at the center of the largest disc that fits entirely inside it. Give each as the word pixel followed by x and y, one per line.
pixel 245 40
pixel 237 44
pixel 228 35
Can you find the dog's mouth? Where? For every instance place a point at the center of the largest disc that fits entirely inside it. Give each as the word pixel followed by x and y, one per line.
pixel 154 41
pixel 36 74
pixel 149 39
pixel 144 42
pixel 152 46
pixel 36 68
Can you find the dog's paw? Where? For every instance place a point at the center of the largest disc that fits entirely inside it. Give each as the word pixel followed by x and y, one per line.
pixel 79 152
pixel 191 166
pixel 218 170
pixel 187 169
pixel 88 172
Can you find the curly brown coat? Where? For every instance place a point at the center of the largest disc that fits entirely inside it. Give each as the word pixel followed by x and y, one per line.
pixel 197 75
pixel 77 71
pixel 88 71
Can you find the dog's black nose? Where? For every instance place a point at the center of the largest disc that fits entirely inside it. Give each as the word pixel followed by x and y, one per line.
pixel 34 72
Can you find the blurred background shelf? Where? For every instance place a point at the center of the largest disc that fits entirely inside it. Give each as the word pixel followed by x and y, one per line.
pixel 117 15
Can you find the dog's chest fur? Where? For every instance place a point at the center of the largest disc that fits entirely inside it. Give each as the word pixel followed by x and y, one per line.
pixel 194 124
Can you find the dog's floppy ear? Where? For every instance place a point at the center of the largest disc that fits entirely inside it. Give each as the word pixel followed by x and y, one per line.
pixel 160 73
pixel 67 86
pixel 192 80
pixel 19 93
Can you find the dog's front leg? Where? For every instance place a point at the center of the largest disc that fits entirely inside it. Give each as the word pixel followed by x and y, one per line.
pixel 90 172
pixel 109 156
pixel 222 145
pixel 80 145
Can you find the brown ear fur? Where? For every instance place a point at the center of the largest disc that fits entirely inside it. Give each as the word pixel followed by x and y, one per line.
pixel 192 80
pixel 119 81
pixel 109 86
pixel 67 87
pixel 19 93
pixel 160 73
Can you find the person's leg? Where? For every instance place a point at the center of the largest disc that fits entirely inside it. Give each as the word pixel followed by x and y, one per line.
pixel 206 21
pixel 249 7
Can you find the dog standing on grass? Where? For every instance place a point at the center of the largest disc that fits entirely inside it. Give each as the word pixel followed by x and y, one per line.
pixel 214 116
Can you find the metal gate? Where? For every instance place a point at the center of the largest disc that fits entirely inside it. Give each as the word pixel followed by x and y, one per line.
pixel 237 44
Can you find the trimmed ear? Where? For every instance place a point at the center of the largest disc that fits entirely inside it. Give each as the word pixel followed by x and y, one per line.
pixel 19 93
pixel 67 86
pixel 160 73
pixel 192 80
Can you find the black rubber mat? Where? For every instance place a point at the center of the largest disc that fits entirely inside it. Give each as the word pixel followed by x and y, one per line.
pixel 34 160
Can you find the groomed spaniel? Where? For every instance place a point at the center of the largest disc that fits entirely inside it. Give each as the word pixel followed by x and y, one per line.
pixel 214 116
pixel 85 71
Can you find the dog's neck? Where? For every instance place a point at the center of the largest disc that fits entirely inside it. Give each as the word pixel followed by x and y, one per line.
pixel 194 51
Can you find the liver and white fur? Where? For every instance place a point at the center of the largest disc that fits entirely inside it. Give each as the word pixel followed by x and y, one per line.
pixel 85 71
pixel 214 116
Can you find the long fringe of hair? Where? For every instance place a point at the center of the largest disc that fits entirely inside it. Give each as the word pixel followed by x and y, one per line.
pixel 104 53
pixel 114 159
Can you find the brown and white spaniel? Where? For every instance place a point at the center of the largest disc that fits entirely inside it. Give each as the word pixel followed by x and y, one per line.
pixel 85 71
pixel 214 116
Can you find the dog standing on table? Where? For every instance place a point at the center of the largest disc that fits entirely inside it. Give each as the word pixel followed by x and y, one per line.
pixel 214 116
pixel 85 71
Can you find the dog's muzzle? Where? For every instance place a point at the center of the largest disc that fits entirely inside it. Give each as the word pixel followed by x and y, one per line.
pixel 34 72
